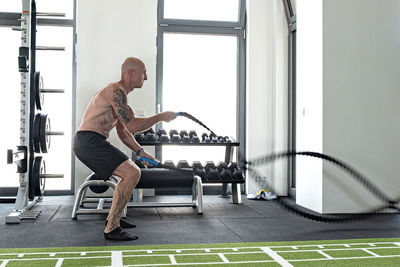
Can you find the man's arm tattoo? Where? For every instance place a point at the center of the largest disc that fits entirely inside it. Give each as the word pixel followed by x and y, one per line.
pixel 122 103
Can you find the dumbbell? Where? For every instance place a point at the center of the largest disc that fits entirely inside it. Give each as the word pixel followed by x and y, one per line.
pixel 211 170
pixel 139 137
pixel 237 174
pixel 214 140
pixel 212 135
pixel 192 133
pixel 183 164
pixel 164 138
pixel 161 132
pixel 221 139
pixel 186 139
pixel 175 138
pixel 149 131
pixel 205 138
pixel 169 164
pixel 182 133
pixel 195 139
pixel 224 171
pixel 172 132
pixel 198 169
pixel 227 139
pixel 150 137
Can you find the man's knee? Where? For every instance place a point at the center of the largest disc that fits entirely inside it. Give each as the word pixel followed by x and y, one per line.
pixel 128 171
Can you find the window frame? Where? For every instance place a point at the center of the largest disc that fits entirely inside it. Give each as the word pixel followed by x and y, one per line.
pixel 210 28
pixel 292 27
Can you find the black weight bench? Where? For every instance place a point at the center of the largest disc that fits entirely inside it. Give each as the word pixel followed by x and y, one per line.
pixel 150 178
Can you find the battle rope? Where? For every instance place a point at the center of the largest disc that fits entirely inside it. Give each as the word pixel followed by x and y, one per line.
pixel 389 203
pixel 187 115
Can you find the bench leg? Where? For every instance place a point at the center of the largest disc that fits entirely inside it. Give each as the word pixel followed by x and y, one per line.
pixel 199 193
pixel 236 196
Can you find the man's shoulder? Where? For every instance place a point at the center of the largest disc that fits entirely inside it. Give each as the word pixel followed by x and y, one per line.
pixel 109 90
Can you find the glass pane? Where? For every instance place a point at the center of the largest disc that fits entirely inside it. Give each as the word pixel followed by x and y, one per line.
pixel 200 77
pixel 59 6
pixel 10 104
pixel 214 10
pixel 56 69
pixel 11 6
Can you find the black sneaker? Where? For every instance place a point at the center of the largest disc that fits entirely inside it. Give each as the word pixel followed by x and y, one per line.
pixel 124 223
pixel 120 235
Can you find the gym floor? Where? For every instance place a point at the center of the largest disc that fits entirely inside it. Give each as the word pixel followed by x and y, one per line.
pixel 251 221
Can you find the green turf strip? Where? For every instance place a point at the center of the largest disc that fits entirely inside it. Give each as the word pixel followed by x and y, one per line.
pixel 258 264
pixel 198 259
pixel 77 255
pixel 384 245
pixel 87 262
pixel 249 250
pixel 386 251
pixel 7 257
pixel 301 255
pixel 32 263
pixel 35 256
pixel 248 257
pixel 373 262
pixel 347 253
pixel 224 251
pixel 146 260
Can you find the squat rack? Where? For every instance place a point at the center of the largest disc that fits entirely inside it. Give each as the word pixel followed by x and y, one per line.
pixel 24 157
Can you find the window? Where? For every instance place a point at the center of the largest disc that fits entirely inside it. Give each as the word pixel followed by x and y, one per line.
pixel 200 70
pixel 58 71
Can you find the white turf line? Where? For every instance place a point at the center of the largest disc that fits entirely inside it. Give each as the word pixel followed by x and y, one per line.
pixel 276 257
pixel 4 263
pixel 116 259
pixel 59 262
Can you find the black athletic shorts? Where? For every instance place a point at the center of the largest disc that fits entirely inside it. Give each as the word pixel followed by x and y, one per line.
pixel 97 153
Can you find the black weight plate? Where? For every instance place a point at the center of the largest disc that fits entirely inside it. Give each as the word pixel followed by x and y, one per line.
pixel 44 127
pixel 36 133
pixel 39 97
pixel 37 184
pixel 99 189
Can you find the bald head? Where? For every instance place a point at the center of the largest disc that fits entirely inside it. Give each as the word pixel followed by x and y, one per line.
pixel 132 63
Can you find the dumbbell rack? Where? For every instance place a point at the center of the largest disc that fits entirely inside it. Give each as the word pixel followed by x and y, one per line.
pixel 229 148
pixel 31 169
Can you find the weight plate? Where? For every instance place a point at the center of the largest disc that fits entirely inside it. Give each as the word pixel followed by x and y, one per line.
pixel 44 138
pixel 37 184
pixel 98 189
pixel 39 97
pixel 36 133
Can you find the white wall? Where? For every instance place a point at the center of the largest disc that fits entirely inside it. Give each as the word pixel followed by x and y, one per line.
pixel 309 103
pixel 108 32
pixel 361 95
pixel 266 89
pixel 348 91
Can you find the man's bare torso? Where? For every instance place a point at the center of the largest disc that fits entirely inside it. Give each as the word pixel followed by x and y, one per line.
pixel 99 115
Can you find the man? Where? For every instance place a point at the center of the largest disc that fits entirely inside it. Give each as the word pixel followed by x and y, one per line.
pixel 108 109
